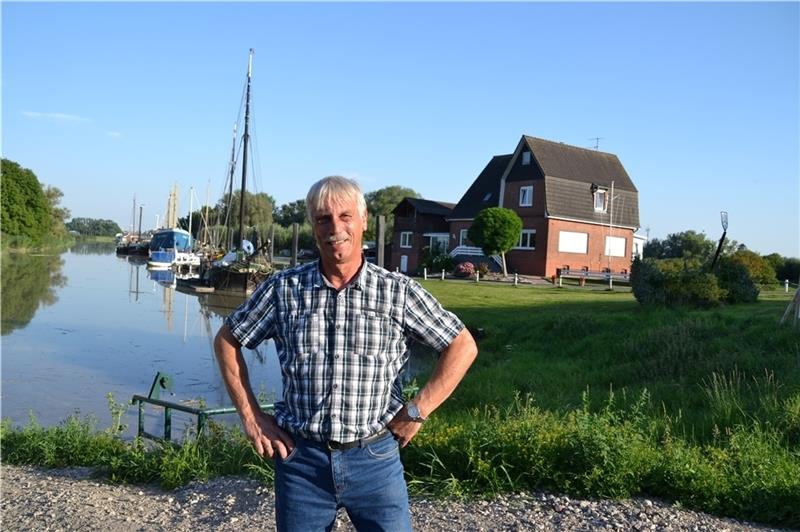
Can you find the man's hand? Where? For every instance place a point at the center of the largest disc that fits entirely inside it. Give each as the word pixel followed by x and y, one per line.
pixel 403 428
pixel 267 437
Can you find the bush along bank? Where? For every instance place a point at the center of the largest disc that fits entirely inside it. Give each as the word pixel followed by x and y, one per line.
pixel 747 472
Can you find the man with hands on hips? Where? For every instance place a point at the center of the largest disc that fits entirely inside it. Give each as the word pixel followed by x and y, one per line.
pixel 341 328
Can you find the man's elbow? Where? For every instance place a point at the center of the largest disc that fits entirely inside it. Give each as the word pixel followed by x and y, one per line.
pixel 224 341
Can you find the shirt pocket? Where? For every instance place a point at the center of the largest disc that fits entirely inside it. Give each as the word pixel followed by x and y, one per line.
pixel 299 355
pixel 375 336
pixel 300 335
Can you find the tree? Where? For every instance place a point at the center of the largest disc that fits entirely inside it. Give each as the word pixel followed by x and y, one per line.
pixel 689 245
pixel 25 210
pixel 496 230
pixel 382 202
pixel 58 215
pixel 257 208
pixel 289 213
pixel 759 269
pixel 93 227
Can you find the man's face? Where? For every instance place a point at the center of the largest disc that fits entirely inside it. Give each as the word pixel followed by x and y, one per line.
pixel 338 229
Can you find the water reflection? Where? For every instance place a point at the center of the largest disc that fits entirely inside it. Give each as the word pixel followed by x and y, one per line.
pixel 93 248
pixel 29 282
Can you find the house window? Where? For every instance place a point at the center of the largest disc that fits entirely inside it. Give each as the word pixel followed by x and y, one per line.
pixel 599 200
pixel 526 158
pixel 615 246
pixel 527 239
pixel 526 196
pixel 405 239
pixel 439 244
pixel 571 242
pixel 462 238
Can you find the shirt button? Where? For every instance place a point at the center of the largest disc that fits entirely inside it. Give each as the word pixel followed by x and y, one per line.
pixel 336 357
pixel 335 386
pixel 338 326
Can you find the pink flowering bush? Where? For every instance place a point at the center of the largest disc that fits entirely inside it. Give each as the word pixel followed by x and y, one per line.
pixel 464 269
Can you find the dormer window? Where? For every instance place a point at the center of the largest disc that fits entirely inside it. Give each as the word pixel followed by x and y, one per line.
pixel 600 200
pixel 526 158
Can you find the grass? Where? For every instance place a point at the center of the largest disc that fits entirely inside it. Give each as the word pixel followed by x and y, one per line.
pixel 581 392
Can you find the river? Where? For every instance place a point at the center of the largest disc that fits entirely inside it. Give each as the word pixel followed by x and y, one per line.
pixel 84 323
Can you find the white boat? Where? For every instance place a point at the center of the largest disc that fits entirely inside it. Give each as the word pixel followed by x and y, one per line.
pixel 172 248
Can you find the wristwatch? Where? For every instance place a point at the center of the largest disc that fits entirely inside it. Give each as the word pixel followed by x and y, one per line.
pixel 414 413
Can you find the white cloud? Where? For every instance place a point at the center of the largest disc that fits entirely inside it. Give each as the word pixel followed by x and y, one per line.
pixel 56 117
pixel 114 134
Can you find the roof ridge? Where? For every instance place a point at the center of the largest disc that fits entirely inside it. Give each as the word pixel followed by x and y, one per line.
pixel 557 143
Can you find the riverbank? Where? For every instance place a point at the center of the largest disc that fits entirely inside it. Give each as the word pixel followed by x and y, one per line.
pixel 75 499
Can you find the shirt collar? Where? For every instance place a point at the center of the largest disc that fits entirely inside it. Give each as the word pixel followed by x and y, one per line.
pixel 319 280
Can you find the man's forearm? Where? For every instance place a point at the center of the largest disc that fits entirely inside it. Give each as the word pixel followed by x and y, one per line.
pixel 450 369
pixel 234 373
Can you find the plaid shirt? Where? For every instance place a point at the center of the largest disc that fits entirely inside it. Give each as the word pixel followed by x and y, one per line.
pixel 341 352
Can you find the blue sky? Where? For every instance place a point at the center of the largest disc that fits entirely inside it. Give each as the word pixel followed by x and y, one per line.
pixel 698 100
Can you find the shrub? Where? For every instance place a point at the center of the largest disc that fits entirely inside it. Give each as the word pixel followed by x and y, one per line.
pixel 737 280
pixel 483 269
pixel 464 269
pixel 675 282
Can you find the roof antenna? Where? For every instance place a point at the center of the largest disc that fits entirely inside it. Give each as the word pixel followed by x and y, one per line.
pixel 596 142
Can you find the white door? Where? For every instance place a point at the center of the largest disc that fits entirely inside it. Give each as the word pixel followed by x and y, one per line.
pixel 404 263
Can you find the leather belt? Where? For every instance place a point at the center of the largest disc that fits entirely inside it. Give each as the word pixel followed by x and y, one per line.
pixel 363 442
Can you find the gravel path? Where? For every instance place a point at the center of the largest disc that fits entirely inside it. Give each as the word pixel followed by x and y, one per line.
pixel 73 499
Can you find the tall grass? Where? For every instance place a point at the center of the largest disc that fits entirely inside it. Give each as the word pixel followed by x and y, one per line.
pixel 579 392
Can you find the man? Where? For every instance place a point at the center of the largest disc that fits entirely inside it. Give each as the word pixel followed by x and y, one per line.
pixel 340 326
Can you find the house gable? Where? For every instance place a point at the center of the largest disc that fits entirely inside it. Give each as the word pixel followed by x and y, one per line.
pixel 484 192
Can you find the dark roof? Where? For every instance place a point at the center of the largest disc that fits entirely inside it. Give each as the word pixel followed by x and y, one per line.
pixel 579 164
pixel 424 206
pixel 484 191
pixel 573 200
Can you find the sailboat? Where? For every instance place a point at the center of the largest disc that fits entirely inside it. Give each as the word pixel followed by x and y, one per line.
pixel 242 269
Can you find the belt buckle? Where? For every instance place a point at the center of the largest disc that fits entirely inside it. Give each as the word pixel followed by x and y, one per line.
pixel 333 445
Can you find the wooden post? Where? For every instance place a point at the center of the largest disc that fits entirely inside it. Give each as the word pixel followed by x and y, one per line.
pixel 425 273
pixel 271 243
pixel 477 276
pixel 516 278
pixel 295 238
pixel 442 274
pixel 381 232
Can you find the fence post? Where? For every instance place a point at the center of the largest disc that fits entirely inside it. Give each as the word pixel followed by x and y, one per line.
pixel 516 278
pixel 425 273
pixel 477 276
pixel 786 286
pixel 559 280
pixel 442 274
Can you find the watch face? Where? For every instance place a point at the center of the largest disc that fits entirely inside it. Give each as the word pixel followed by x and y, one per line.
pixel 413 411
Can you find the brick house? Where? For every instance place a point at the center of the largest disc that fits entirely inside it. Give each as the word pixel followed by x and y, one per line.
pixel 563 194
pixel 579 210
pixel 418 224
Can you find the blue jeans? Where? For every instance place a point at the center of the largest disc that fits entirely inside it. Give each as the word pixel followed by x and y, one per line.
pixel 314 482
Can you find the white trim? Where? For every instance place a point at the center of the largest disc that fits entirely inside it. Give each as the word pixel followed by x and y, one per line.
pixel 462 236
pixel 437 234
pixel 408 243
pixel 526 232
pixel 605 224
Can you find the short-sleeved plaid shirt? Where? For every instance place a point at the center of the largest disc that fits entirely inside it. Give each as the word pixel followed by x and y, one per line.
pixel 341 352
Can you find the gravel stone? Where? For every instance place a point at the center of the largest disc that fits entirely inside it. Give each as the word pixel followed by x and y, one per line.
pixel 75 499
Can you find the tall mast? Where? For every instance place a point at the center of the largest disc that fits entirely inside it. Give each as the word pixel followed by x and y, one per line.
pixel 244 153
pixel 232 169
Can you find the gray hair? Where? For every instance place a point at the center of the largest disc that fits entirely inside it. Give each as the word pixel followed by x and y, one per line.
pixel 334 189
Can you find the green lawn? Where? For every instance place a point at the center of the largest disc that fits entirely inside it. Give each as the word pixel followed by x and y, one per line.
pixel 576 391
